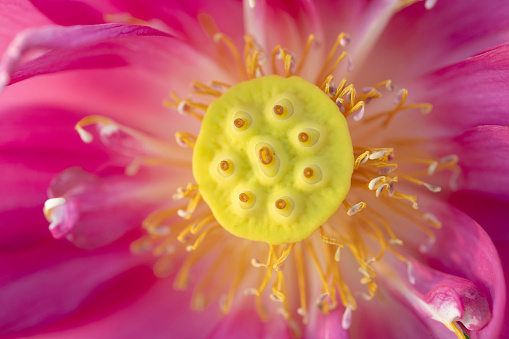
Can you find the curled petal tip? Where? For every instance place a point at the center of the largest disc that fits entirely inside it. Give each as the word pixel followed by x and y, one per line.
pixel 429 4
pixel 4 80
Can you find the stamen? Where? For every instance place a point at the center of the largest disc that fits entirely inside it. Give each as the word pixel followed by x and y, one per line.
pixel 356 208
pixel 346 320
pixel 400 101
pixel 341 40
pixel 191 206
pixel 197 227
pixel 185 106
pixel 201 238
pixel 185 139
pixel 220 37
pixel 283 257
pixel 199 88
pixel 430 187
pixel 226 305
pixel 301 280
pixel 318 267
pixel 309 43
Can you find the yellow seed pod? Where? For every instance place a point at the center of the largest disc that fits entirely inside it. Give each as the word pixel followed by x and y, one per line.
pixel 292 164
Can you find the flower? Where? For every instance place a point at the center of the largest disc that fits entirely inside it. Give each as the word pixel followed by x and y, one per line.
pixel 273 153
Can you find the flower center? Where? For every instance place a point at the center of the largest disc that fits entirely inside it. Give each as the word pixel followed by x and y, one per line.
pixel 273 159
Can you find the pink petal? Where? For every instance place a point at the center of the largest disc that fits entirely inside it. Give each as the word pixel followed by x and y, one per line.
pixel 131 95
pixel 328 325
pixel 245 323
pixel 469 93
pixel 388 318
pixel 69 48
pixel 65 12
pixel 484 159
pixel 18 15
pixel 417 40
pixel 31 154
pixel 450 298
pixel 96 210
pixel 182 19
pixel 52 280
pixel 470 255
pixel 137 305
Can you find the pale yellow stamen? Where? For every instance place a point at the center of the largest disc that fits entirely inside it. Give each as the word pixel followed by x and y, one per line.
pixel 220 37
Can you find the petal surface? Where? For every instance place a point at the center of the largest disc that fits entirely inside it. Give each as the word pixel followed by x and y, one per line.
pixel 417 40
pixel 484 159
pixel 469 93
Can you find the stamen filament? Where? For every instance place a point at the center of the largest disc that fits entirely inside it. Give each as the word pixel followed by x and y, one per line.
pixel 309 43
pixel 220 37
pixel 301 280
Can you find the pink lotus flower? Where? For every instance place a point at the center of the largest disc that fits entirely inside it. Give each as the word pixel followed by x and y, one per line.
pixel 405 255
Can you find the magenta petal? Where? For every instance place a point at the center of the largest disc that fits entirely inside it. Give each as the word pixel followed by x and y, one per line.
pixel 470 255
pixel 48 282
pixel 69 12
pixel 328 325
pixel 469 93
pixel 417 40
pixel 182 19
pixel 108 205
pixel 245 323
pixel 450 298
pixel 136 305
pixel 67 49
pixel 17 16
pixel 32 152
pixel 390 318
pixel 484 159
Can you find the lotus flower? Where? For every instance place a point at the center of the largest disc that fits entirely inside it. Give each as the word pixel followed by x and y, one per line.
pixel 259 169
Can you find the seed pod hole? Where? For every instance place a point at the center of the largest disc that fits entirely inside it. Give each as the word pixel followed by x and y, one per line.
pixel 308 137
pixel 247 200
pixel 284 206
pixel 225 168
pixel 283 109
pixel 241 121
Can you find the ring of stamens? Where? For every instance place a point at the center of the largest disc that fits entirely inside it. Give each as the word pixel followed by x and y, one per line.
pixel 306 140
